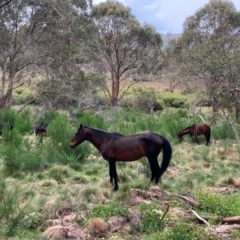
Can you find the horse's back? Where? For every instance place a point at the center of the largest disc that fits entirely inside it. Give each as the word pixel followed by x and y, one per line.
pixel 133 147
pixel 204 127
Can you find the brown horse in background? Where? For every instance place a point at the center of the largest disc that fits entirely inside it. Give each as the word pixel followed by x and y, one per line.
pixel 195 130
pixel 40 131
pixel 117 147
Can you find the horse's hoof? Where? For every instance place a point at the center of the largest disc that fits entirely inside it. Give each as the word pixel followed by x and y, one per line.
pixel 115 189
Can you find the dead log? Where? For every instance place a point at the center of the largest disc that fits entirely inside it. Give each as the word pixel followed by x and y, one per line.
pixel 231 220
pixel 189 200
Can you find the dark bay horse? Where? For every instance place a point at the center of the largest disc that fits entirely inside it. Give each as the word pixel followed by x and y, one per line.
pixel 5 125
pixel 117 147
pixel 195 130
pixel 40 131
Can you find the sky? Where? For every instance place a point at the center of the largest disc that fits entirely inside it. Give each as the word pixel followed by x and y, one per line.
pixel 167 16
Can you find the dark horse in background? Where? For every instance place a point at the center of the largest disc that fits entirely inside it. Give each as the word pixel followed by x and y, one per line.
pixel 117 147
pixel 195 130
pixel 5 125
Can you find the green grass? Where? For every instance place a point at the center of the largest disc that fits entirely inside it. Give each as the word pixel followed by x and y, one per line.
pixel 50 174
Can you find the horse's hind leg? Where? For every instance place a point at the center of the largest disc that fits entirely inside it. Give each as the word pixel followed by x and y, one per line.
pixel 154 166
pixel 110 175
pixel 207 138
pixel 113 172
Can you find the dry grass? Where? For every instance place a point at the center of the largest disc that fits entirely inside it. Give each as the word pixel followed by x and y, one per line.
pixel 158 86
pixel 97 227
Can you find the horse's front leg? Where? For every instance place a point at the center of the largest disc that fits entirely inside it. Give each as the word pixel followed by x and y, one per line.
pixel 113 172
pixel 196 137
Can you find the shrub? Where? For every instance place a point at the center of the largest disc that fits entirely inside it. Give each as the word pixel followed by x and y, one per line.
pixel 58 173
pixel 92 120
pixel 109 210
pixel 58 149
pixel 20 158
pixel 11 212
pixel 22 95
pixel 21 122
pixel 175 100
pixel 46 118
pixel 223 131
pixel 221 205
pixel 146 100
pixel 182 231
pixel 151 216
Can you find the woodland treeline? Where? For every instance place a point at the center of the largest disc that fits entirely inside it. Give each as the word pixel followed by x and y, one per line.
pixel 68 49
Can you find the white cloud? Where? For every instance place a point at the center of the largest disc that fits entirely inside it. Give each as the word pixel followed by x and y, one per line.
pixel 165 15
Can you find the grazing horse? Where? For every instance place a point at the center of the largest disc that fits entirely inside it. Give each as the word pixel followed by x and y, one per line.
pixel 5 125
pixel 195 130
pixel 40 131
pixel 117 147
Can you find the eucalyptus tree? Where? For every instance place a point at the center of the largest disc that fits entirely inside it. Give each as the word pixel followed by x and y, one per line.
pixel 171 67
pixel 65 79
pixel 20 25
pixel 4 3
pixel 209 49
pixel 125 47
pixel 38 32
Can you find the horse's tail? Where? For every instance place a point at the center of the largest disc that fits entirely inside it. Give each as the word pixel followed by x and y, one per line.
pixel 167 154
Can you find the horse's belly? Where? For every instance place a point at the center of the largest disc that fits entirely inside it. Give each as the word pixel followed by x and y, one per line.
pixel 129 155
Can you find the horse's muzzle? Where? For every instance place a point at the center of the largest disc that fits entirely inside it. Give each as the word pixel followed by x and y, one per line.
pixel 72 146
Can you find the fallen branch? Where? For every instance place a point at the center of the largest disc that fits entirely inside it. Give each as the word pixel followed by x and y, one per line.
pixel 231 220
pixel 164 214
pixel 200 218
pixel 188 200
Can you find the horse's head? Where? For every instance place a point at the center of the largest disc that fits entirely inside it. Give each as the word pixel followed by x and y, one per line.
pixel 179 135
pixel 78 137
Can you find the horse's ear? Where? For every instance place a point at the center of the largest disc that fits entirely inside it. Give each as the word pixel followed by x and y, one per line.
pixel 81 126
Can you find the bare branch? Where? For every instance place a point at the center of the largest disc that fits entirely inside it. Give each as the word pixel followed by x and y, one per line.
pixel 6 3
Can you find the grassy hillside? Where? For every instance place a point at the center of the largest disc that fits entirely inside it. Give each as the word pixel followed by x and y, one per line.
pixel 50 191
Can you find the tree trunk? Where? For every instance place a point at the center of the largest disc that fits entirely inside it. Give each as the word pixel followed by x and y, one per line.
pixel 115 91
pixel 5 100
pixel 237 106
pixel 215 112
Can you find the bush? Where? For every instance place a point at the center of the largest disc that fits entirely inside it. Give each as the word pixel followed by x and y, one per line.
pixel 58 149
pixel 11 212
pixel 175 100
pixel 221 205
pixel 45 119
pixel 91 120
pixel 182 231
pixel 151 215
pixel 22 95
pixel 17 156
pixel 223 131
pixel 21 122
pixel 108 210
pixel 146 100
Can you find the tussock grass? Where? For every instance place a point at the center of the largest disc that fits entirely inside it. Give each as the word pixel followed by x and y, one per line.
pixel 51 174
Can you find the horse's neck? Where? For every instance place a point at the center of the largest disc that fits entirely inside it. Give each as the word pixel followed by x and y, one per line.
pixel 97 138
pixel 184 132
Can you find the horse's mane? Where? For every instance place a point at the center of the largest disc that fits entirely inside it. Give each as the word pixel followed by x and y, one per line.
pixel 101 131
pixel 189 127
